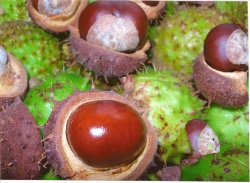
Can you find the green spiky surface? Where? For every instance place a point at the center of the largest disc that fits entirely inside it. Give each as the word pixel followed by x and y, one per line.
pixel 40 99
pixel 170 105
pixel 237 11
pixel 13 10
pixel 39 51
pixel 228 165
pixel 50 176
pixel 181 35
pixel 231 125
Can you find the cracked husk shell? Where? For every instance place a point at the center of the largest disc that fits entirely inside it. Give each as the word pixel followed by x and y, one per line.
pixel 227 89
pixel 60 23
pixel 14 82
pixel 106 62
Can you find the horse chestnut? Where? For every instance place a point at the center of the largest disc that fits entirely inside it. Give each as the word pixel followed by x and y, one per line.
pixel 99 135
pixel 202 139
pixel 120 26
pixel 219 72
pixel 110 38
pixel 106 133
pixel 226 48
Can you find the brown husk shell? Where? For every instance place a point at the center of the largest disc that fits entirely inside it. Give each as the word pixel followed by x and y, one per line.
pixel 54 25
pixel 67 165
pixel 152 12
pixel 105 62
pixel 14 82
pixel 224 88
pixel 21 147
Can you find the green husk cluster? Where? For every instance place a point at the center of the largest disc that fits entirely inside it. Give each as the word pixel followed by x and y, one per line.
pixel 231 125
pixel 236 10
pixel 170 105
pixel 41 53
pixel 40 100
pixel 13 10
pixel 181 35
pixel 231 164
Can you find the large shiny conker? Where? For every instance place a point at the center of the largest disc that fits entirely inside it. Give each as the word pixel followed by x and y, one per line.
pixel 116 25
pixel 225 48
pixel 106 133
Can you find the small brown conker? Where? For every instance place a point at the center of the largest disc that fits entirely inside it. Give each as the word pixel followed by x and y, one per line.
pixel 226 48
pixel 120 26
pixel 202 139
pixel 106 133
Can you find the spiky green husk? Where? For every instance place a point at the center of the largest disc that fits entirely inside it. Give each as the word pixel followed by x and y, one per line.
pixel 228 165
pixel 237 11
pixel 231 125
pixel 170 105
pixel 13 10
pixel 50 176
pixel 181 36
pixel 40 100
pixel 39 51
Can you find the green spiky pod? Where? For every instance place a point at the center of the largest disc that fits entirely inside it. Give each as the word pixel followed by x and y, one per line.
pixel 41 53
pixel 40 100
pixel 231 125
pixel 13 10
pixel 228 165
pixel 236 10
pixel 170 106
pixel 181 35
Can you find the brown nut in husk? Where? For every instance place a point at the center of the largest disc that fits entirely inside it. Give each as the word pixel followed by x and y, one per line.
pixel 104 61
pixel 111 38
pixel 21 148
pixel 69 165
pixel 56 22
pixel 13 78
pixel 153 12
pixel 224 88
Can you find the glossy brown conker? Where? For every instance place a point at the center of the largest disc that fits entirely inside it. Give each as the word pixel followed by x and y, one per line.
pixel 106 133
pixel 215 49
pixel 126 10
